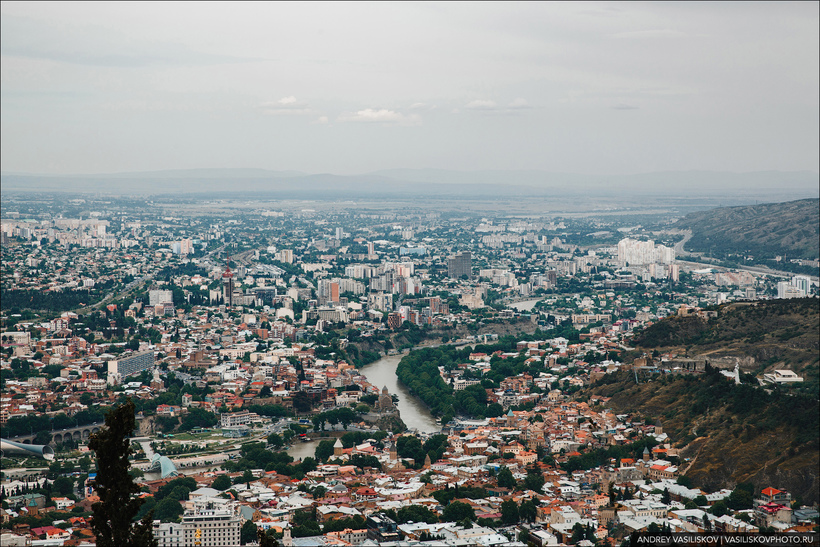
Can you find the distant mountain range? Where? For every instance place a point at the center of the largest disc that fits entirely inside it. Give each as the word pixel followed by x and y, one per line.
pixel 767 230
pixel 764 185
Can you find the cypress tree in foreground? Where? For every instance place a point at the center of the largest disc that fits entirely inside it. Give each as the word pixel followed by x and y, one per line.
pixel 114 514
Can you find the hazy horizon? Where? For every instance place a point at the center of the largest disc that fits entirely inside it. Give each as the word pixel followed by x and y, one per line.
pixel 599 89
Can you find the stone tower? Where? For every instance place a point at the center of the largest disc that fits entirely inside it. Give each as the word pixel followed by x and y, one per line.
pixel 385 402
pixel 337 447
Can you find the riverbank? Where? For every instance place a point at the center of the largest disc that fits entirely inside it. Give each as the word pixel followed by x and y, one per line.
pixel 414 413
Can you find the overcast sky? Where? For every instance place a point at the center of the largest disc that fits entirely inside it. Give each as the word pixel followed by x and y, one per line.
pixel 348 88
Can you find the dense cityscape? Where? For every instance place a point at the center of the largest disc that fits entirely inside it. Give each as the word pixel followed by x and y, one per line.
pixel 410 274
pixel 245 336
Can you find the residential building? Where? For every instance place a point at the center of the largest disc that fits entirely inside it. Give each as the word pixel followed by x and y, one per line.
pixel 131 364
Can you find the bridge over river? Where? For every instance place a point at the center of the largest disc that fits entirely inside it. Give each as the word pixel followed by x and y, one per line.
pixel 79 433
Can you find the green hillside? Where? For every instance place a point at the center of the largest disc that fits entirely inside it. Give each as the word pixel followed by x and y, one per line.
pixel 762 231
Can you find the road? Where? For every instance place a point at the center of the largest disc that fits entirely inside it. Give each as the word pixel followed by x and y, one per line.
pixel 679 245
pixel 679 251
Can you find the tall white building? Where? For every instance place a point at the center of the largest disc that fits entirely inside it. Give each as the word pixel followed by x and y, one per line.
pixel 131 364
pixel 168 534
pixel 803 283
pixel 787 290
pixel 159 297
pixel 634 252
pixel 210 526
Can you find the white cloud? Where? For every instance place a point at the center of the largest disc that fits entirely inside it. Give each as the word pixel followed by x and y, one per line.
pixel 479 104
pixel 383 115
pixel 286 106
pixel 321 120
pixel 519 103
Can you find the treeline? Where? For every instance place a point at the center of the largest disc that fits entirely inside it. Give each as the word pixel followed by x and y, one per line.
pixel 419 371
pixel 274 411
pixel 52 301
pixel 343 415
pixel 26 425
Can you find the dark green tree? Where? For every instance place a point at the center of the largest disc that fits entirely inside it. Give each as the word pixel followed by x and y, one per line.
pixel 222 482
pixel 113 516
pixel 416 513
pixel 535 480
pixel 266 540
pixel 457 511
pixel 719 509
pixel 506 479
pixel 527 511
pixel 168 510
pixel 248 532
pixel 509 512
pixel 324 450
pixel 63 485
pixel 740 498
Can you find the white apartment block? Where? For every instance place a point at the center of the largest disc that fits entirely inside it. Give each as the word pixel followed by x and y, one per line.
pixel 802 283
pixel 235 418
pixel 159 297
pixel 786 290
pixel 634 252
pixel 168 534
pixel 210 527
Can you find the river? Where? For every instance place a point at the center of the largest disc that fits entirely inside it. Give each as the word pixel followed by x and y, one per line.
pixel 413 412
pixel 383 373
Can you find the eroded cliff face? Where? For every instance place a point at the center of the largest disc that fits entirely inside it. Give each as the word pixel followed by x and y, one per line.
pixel 727 434
pixel 725 460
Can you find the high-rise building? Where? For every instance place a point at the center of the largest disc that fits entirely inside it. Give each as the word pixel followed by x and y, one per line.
pixel 131 364
pixel 285 255
pixel 227 285
pixel 159 297
pixel 460 265
pixel 787 290
pixel 206 525
pixel 802 283
pixel 634 252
